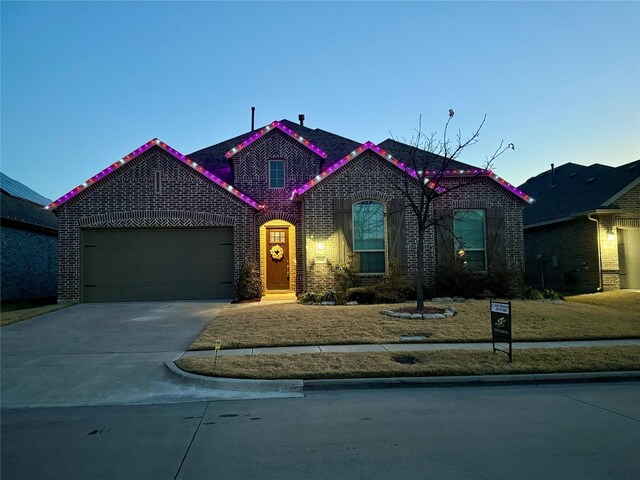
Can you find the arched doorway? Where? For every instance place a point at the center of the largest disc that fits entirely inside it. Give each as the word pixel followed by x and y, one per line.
pixel 277 256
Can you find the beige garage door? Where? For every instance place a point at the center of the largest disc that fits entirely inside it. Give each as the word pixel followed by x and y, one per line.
pixel 156 264
pixel 629 257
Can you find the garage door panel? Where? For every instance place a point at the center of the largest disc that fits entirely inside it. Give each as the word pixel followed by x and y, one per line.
pixel 157 264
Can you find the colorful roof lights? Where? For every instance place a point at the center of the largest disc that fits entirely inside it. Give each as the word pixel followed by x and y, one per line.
pixel 427 173
pixel 136 153
pixel 248 141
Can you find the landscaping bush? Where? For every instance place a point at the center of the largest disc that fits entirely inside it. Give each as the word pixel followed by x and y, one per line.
pixel 531 293
pixel 400 285
pixel 345 277
pixel 308 298
pixel 329 296
pixel 455 280
pixel 502 281
pixel 552 294
pixel 362 295
pixel 249 284
pixel 384 295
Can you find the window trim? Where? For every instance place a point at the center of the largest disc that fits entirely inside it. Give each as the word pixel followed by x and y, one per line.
pixel 384 236
pixel 484 234
pixel 284 173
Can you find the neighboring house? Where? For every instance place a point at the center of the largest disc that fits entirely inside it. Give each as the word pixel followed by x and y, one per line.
pixel 296 201
pixel 583 231
pixel 29 255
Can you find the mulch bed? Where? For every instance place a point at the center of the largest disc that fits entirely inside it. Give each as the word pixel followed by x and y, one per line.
pixel 415 310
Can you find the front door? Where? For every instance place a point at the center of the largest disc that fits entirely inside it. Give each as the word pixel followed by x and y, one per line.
pixel 277 258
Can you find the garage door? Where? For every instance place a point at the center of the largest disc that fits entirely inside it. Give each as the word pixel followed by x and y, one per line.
pixel 156 264
pixel 629 257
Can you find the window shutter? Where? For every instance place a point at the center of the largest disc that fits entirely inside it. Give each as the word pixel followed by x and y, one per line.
pixel 343 230
pixel 496 243
pixel 444 236
pixel 396 233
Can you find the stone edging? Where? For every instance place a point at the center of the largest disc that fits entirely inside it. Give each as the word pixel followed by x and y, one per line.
pixel 449 311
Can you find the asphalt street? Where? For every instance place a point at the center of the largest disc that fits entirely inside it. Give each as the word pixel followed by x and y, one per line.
pixel 586 431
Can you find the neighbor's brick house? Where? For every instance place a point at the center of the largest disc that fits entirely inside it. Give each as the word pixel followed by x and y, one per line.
pixel 297 201
pixel 29 244
pixel 583 231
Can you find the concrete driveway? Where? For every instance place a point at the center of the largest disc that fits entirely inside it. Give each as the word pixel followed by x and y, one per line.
pixel 104 354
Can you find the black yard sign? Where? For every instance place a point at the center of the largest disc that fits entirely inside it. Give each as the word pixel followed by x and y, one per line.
pixel 501 325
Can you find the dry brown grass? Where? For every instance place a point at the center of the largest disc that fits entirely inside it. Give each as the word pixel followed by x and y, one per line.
pixel 580 318
pixel 14 316
pixel 438 363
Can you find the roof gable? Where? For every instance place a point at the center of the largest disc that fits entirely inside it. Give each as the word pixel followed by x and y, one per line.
pixel 266 129
pixel 137 152
pixel 469 171
pixel 577 189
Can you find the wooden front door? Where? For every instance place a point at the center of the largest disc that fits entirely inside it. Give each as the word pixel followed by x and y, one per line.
pixel 277 253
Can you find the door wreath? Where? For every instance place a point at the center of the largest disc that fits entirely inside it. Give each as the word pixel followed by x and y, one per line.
pixel 277 252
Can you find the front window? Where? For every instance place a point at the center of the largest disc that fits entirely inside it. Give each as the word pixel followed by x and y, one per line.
pixel 276 173
pixel 368 237
pixel 468 230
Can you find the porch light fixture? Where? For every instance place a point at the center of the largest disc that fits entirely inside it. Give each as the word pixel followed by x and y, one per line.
pixel 320 246
pixel 610 234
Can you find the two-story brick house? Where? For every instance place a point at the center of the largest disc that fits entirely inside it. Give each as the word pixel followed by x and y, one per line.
pixel 297 201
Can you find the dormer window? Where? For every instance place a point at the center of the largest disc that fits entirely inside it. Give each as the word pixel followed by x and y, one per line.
pixel 276 173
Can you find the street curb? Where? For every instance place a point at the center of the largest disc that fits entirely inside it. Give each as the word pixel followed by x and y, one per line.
pixel 471 380
pixel 293 387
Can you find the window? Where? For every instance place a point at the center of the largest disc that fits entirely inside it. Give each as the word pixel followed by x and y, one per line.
pixel 368 237
pixel 276 173
pixel 469 241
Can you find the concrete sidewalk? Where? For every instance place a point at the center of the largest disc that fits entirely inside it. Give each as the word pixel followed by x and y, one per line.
pixel 408 347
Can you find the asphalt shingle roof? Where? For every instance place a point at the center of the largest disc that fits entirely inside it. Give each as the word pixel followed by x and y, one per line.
pixel 20 190
pixel 577 189
pixel 335 146
pixel 405 153
pixel 212 158
pixel 23 211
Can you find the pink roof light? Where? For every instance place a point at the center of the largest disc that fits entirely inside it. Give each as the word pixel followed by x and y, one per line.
pixel 387 156
pixel 137 152
pixel 248 141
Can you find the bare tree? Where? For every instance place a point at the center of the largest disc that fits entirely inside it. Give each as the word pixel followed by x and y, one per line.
pixel 428 162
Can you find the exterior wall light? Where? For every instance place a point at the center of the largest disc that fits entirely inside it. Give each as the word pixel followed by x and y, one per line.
pixel 320 246
pixel 610 234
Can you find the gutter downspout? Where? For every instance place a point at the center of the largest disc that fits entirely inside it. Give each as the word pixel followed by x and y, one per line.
pixel 599 253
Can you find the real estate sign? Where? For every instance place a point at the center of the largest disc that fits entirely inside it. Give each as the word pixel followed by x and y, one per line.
pixel 501 325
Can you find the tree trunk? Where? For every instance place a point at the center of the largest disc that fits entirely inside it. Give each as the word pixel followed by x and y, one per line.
pixel 419 289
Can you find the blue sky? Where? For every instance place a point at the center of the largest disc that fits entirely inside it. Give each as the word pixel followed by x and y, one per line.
pixel 84 83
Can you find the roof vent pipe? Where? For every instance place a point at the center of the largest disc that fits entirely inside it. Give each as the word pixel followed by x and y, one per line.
pixel 253 118
pixel 553 175
pixel 301 118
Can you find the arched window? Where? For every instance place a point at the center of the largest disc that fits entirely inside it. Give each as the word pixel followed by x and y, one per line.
pixel 368 237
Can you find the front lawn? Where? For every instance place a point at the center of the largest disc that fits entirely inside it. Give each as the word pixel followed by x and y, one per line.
pixel 606 315
pixel 438 363
pixel 16 313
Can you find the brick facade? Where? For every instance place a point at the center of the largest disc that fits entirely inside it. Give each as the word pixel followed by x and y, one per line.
pixel 155 190
pixel 563 256
pixel 28 262
pixel 368 177
pixel 131 197
pixel 577 255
